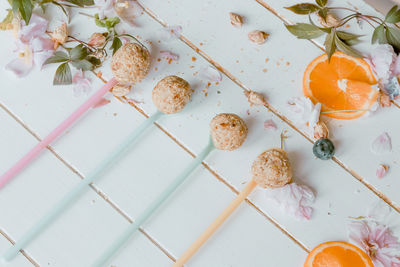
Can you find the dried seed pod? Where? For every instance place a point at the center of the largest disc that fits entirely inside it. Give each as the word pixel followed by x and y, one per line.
pixel 236 20
pixel 329 21
pixel 171 94
pixel 258 37
pixel 121 90
pixel 272 169
pixel 228 131
pixel 384 99
pixel 254 98
pixel 97 39
pixel 60 35
pixel 131 63
pixel 320 130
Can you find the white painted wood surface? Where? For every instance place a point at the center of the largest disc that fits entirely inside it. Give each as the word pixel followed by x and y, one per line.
pixel 258 234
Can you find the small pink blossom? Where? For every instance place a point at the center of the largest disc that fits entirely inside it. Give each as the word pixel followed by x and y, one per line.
pixel 270 125
pixel 304 113
pixel 102 102
pixel 381 171
pixel 382 144
pixel 210 74
pixel 169 55
pixel 293 199
pixel 171 33
pixel 82 85
pixel 373 235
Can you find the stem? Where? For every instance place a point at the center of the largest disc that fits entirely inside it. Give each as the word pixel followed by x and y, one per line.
pixel 91 48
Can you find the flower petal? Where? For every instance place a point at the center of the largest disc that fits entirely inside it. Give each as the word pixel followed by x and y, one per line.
pixel 41 44
pixel 382 60
pixel 293 199
pixel 169 55
pixel 270 125
pixel 19 67
pixel 37 27
pixel 82 85
pixel 171 33
pixel 210 74
pixel 382 144
pixel 381 171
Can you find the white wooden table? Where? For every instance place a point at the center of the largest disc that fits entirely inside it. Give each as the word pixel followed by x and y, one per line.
pixel 258 234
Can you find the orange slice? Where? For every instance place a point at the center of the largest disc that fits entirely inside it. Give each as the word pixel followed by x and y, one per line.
pixel 344 85
pixel 337 254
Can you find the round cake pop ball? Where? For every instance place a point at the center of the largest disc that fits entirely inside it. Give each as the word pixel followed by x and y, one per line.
pixel 272 169
pixel 171 94
pixel 228 131
pixel 130 63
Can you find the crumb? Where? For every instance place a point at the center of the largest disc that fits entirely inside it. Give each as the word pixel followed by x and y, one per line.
pixel 287 63
pixel 155 68
pixel 266 60
pixel 194 58
pixel 158 59
pixel 115 114
pixel 201 43
pixel 265 70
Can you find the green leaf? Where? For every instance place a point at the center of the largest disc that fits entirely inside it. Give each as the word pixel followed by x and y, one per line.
pixel 303 9
pixel 330 45
pixel 379 35
pixel 79 52
pixel 24 7
pixel 393 16
pixel 81 3
pixel 323 12
pixel 6 21
pixel 63 75
pixel 348 38
pixel 82 64
pixel 304 30
pixel 98 21
pixel 116 44
pixel 111 22
pixel 345 48
pixel 393 36
pixel 321 3
pixel 58 56
pixel 94 60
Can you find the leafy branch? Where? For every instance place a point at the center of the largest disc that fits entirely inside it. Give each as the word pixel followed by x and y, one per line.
pixel 384 31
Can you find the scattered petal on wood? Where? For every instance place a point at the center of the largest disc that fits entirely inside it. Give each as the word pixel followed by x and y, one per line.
pixel 382 144
pixel 382 60
pixel 270 125
pixel 171 33
pixel 382 170
pixel 101 103
pixel 236 20
pixel 210 74
pixel 18 67
pixel 304 113
pixel 254 98
pixel 293 199
pixel 169 56
pixel 82 85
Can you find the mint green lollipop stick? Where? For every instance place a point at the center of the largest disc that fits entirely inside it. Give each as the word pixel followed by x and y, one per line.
pixel 71 196
pixel 122 239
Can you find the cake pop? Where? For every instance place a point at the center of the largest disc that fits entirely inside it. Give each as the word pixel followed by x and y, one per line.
pixel 270 169
pixel 226 126
pixel 228 131
pixel 171 94
pixel 131 63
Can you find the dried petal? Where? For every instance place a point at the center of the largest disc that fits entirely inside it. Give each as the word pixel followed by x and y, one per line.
pixel 258 37
pixel 82 85
pixel 255 98
pixel 329 21
pixel 293 199
pixel 304 113
pixel 270 125
pixel 18 67
pixel 320 130
pixel 382 144
pixel 236 20
pixel 121 90
pixel 169 56
pixel 382 170
pixel 210 74
pixel 37 27
pixel 101 103
pixel 97 39
pixel 384 99
pixel 128 10
pixel 60 34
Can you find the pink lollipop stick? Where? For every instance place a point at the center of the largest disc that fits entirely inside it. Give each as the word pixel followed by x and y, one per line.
pixel 24 161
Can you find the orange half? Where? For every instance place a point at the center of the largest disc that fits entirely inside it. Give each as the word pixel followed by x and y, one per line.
pixel 344 85
pixel 337 254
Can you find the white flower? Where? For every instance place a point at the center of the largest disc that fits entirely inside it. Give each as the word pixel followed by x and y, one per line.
pixel 304 113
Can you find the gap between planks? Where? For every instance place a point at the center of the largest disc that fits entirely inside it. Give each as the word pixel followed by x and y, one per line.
pixel 268 106
pixel 26 255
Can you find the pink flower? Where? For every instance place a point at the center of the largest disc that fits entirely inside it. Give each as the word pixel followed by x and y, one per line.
pixel 381 171
pixel 304 113
pixel 375 237
pixel 169 56
pixel 270 125
pixel 293 199
pixel 382 144
pixel 82 85
pixel 33 47
pixel 210 74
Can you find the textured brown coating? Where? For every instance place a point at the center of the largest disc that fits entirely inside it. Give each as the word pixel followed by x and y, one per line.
pixel 272 169
pixel 171 94
pixel 228 131
pixel 130 63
